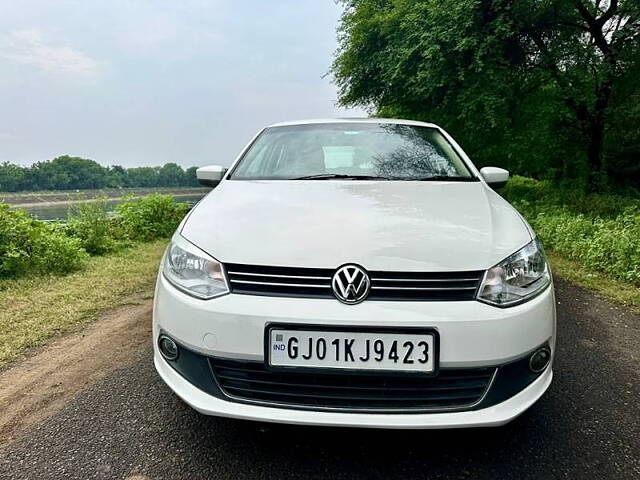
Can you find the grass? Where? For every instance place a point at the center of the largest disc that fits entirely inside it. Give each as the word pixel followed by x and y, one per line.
pixel 600 232
pixel 35 309
pixel 602 284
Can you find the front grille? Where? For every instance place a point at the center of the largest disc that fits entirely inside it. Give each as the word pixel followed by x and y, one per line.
pixel 279 281
pixel 450 389
pixel 424 286
pixel 316 283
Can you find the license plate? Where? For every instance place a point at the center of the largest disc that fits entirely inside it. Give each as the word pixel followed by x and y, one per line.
pixel 396 351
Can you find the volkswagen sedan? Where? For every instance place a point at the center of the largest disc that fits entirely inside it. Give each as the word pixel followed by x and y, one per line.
pixel 355 272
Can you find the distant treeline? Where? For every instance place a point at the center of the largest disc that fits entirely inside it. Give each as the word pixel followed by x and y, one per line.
pixel 75 173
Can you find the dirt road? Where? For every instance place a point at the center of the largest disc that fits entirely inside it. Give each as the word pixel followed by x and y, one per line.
pixel 41 385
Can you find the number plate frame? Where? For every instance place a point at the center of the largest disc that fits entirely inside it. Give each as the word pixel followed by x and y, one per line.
pixel 356 329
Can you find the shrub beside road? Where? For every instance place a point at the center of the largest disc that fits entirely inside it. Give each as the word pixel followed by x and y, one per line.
pixel 601 232
pixel 32 247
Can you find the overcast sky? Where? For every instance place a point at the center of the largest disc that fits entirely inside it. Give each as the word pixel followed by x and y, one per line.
pixel 147 82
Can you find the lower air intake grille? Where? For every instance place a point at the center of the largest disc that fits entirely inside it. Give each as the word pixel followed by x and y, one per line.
pixel 451 389
pixel 316 283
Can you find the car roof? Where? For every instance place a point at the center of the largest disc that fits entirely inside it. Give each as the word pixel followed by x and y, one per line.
pixel 394 121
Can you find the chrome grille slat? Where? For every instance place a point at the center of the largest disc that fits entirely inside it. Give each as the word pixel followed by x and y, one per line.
pixel 280 284
pixel 426 289
pixel 246 274
pixel 423 280
pixel 267 280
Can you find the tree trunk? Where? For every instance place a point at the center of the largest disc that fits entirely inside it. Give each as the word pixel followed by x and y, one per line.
pixel 595 141
pixel 595 152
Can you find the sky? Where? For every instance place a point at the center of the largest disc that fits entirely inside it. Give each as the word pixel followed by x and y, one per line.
pixel 145 82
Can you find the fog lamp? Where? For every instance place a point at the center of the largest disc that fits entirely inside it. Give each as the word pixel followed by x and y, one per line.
pixel 167 347
pixel 540 359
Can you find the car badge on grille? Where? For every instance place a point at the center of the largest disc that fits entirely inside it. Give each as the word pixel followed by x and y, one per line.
pixel 351 284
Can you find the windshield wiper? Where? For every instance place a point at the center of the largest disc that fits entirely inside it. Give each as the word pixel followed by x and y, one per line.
pixel 340 176
pixel 443 178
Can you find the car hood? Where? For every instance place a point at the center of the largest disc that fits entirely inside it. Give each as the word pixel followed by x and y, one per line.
pixel 380 225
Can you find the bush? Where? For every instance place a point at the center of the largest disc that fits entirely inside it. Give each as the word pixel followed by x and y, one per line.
pixel 93 225
pixel 29 246
pixel 599 231
pixel 150 217
pixel 547 193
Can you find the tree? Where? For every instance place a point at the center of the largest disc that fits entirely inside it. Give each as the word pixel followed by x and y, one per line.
pixel 526 82
pixel 75 173
pixel 171 175
pixel 587 48
pixel 143 176
pixel 66 173
pixel 13 178
pixel 116 176
pixel 191 180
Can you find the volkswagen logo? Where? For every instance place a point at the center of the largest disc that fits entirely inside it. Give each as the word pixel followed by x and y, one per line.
pixel 351 284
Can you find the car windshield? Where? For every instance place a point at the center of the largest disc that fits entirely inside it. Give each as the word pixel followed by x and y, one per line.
pixel 351 151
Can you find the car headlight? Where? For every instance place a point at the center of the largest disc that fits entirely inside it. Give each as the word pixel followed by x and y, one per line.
pixel 517 278
pixel 193 271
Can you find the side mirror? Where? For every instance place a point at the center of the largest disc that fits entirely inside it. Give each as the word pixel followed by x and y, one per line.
pixel 494 176
pixel 210 175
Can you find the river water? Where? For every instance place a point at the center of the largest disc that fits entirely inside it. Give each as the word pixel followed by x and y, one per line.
pixel 52 211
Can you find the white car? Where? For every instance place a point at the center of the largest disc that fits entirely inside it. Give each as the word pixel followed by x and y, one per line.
pixel 355 272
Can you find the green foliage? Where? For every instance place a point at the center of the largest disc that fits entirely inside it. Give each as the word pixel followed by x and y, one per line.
pixel 601 232
pixel 74 173
pixel 32 247
pixel 170 174
pixel 143 176
pixel 544 192
pixel 150 217
pixel 191 178
pixel 93 225
pixel 13 178
pixel 28 246
pixel 541 88
pixel 65 173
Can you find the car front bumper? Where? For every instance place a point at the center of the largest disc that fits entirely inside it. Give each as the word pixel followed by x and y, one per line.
pixel 472 334
pixel 489 417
